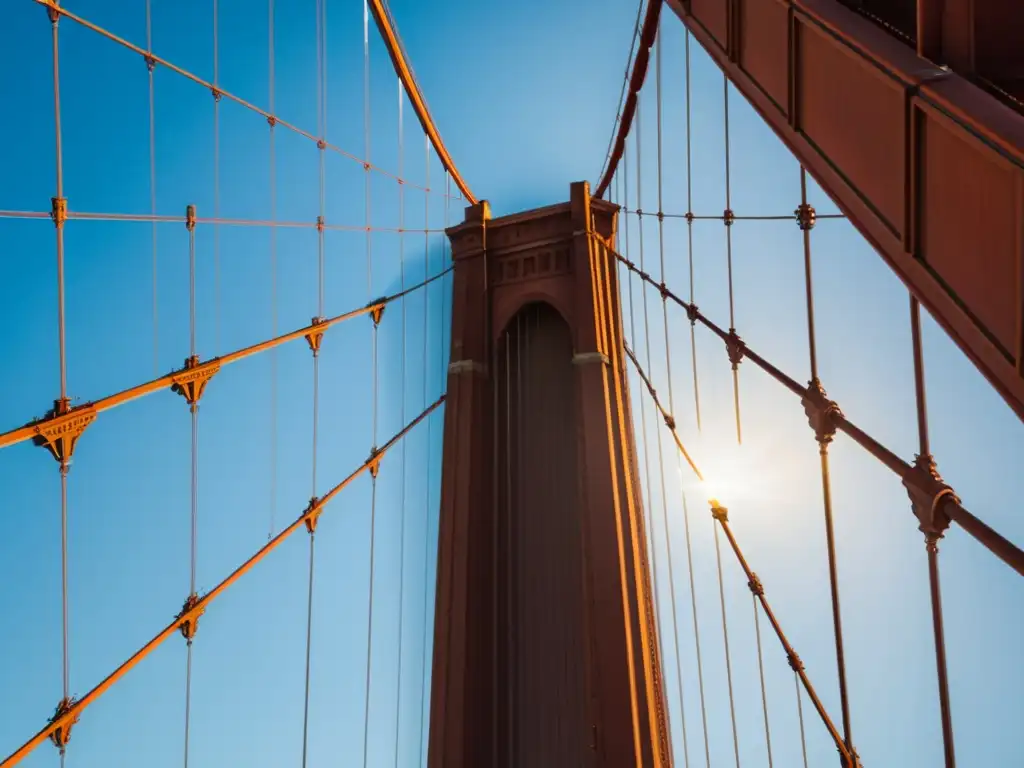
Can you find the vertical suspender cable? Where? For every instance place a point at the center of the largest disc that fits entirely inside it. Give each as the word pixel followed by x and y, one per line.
pixel 273 281
pixel 369 286
pixel 689 243
pixel 216 181
pixel 728 217
pixel 405 351
pixel 760 669
pixel 668 374
pixel 315 346
pixel 800 715
pixel 424 701
pixel 725 639
pixel 63 405
pixel 194 410
pixel 826 484
pixel 150 65
pixel 932 537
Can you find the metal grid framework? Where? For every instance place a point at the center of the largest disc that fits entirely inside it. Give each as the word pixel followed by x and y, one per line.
pixel 934 503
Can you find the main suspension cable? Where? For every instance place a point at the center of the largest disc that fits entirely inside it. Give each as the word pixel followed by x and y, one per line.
pixel 55 8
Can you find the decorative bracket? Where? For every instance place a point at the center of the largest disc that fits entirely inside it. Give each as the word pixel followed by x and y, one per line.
pixel 191 381
pixel 377 310
pixel 373 463
pixel 718 512
pixel 191 625
pixel 806 217
pixel 929 495
pixel 315 335
pixel 312 515
pixel 821 412
pixel 755 585
pixel 62 734
pixel 59 211
pixel 735 348
pixel 60 431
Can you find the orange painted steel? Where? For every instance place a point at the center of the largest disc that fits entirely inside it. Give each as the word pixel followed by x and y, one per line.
pixel 313 511
pixel 927 166
pixel 387 30
pixel 216 89
pixel 34 428
pixel 992 540
pixel 722 518
pixel 648 34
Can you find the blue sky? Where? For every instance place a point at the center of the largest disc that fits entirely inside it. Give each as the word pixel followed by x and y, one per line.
pixel 524 95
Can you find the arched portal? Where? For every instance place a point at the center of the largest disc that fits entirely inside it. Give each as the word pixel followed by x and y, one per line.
pixel 541 592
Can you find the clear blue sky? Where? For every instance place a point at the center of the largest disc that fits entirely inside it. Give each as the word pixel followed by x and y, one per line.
pixel 524 95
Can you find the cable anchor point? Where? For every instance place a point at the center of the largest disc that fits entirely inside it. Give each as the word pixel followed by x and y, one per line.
pixel 377 310
pixel 755 585
pixel 670 421
pixel 821 412
pixel 62 733
pixel 373 462
pixel 190 612
pixel 319 223
pixel 735 348
pixel 311 515
pixel 806 217
pixel 728 217
pixel 191 381
pixel 692 313
pixel 315 335
pixel 794 662
pixel 217 93
pixel 321 144
pixel 190 217
pixel 150 61
pixel 59 211
pixel 60 429
pixel 718 512
pixel 929 495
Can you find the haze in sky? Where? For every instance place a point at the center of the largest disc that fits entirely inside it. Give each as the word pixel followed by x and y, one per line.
pixel 525 96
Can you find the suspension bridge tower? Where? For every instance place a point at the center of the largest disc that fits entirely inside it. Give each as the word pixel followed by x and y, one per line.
pixel 545 647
